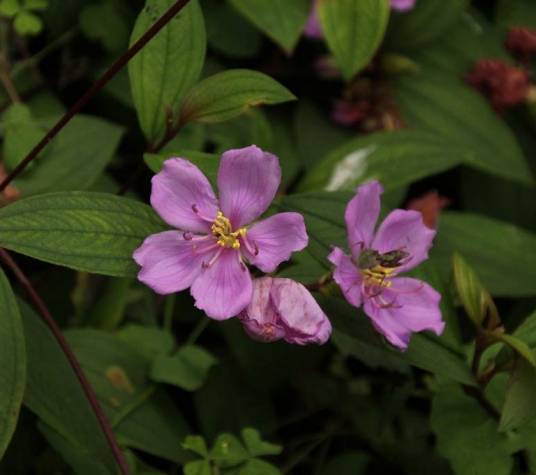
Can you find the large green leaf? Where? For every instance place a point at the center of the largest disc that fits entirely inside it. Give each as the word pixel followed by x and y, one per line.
pixel 503 255
pixel 91 232
pixel 281 20
pixel 230 93
pixel 467 435
pixel 167 66
pixel 519 408
pixel 54 394
pixel 75 159
pixel 13 363
pixel 462 116
pixel 354 30
pixel 143 417
pixel 395 159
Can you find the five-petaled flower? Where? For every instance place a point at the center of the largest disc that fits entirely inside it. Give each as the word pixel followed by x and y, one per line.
pixel 214 238
pixel 284 309
pixel 396 305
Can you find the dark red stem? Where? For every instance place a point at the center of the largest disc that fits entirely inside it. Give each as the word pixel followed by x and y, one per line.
pixel 105 78
pixel 75 365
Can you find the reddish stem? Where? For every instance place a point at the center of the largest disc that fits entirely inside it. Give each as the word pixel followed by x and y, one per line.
pixel 75 365
pixel 105 78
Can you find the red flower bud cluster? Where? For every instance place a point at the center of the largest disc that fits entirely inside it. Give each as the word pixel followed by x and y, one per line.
pixel 521 42
pixel 504 85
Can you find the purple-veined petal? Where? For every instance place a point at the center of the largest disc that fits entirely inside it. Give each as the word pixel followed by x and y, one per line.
pixel 403 5
pixel 168 262
pixel 273 240
pixel 408 306
pixel 224 288
pixel 180 189
pixel 303 318
pixel 404 229
pixel 361 215
pixel 248 180
pixel 347 276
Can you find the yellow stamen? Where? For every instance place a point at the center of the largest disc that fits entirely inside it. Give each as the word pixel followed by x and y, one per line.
pixel 223 230
pixel 377 275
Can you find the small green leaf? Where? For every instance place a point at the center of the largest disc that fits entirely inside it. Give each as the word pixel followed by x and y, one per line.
pixel 281 20
pixel 9 8
pixel 228 451
pixel 167 66
pixel 91 232
pixel 36 4
pixel 196 444
pixel 148 341
pixel 27 24
pixel 475 298
pixel 230 93
pixel 519 346
pixel 258 467
pixel 187 369
pixel 519 408
pixel 12 363
pixel 354 30
pixel 198 467
pixel 256 446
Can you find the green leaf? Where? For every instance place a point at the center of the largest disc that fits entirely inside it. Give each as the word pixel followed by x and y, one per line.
pixel 467 436
pixel 109 309
pixel 395 159
pixel 106 23
pixel 512 13
pixel 475 298
pixel 230 93
pixel 258 467
pixel 519 346
pixel 9 8
pixel 139 412
pixel 75 159
pixel 198 467
pixel 503 256
pixel 196 444
pixel 187 368
pixel 167 66
pixel 463 117
pixel 91 232
pixel 519 408
pixel 354 30
pixel 281 20
pixel 38 5
pixel 228 451
pixel 21 133
pixel 13 363
pixel 54 394
pixel 148 341
pixel 256 446
pixel 27 24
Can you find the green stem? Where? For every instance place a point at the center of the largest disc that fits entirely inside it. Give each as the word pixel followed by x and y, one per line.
pixel 197 331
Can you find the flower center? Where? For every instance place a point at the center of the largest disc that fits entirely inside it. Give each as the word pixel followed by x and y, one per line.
pixel 376 268
pixel 223 230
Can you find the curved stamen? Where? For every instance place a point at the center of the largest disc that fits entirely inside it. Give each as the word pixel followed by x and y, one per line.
pixel 215 257
pixel 243 266
pixel 195 209
pixel 188 236
pixel 251 246
pixel 204 250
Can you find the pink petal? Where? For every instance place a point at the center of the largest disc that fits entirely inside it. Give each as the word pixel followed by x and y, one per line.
pixel 361 215
pixel 179 188
pixel 347 276
pixel 248 180
pixel 302 316
pixel 404 229
pixel 275 239
pixel 415 307
pixel 403 5
pixel 312 27
pixel 224 289
pixel 168 263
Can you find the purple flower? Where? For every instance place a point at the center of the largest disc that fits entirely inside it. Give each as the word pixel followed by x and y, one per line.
pixel 213 239
pixel 314 30
pixel 284 309
pixel 396 305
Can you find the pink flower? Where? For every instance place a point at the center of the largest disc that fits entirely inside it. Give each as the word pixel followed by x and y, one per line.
pixel 314 30
pixel 213 239
pixel 284 309
pixel 396 305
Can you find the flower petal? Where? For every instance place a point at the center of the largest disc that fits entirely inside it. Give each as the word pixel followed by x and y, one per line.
pixel 361 215
pixel 312 27
pixel 347 276
pixel 248 180
pixel 224 289
pixel 168 263
pixel 414 307
pixel 303 318
pixel 402 5
pixel 178 189
pixel 275 239
pixel 404 229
